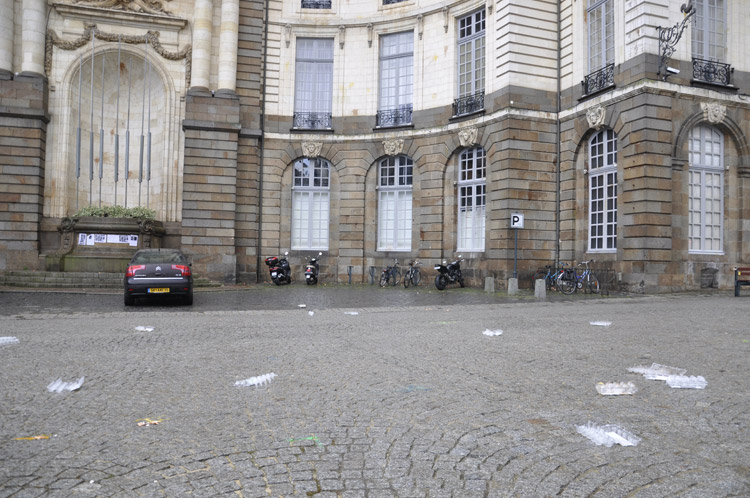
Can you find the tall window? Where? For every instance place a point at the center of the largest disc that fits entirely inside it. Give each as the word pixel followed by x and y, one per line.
pixel 471 200
pixel 601 19
pixel 394 204
pixel 310 204
pixel 706 187
pixel 603 191
pixel 709 30
pixel 471 31
pixel 396 78
pixel 313 85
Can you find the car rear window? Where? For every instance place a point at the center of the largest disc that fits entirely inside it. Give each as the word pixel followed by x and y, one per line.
pixel 159 257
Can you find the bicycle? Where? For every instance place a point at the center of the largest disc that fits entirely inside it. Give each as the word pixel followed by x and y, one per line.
pixel 412 275
pixel 391 274
pixel 587 278
pixel 550 275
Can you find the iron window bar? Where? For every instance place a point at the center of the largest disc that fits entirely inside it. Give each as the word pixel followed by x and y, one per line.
pixel 312 120
pixel 394 117
pixel 468 104
pixel 316 4
pixel 391 2
pixel 711 71
pixel 599 80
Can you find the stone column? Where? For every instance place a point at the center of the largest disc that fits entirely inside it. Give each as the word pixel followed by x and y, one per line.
pixel 34 21
pixel 6 37
pixel 230 16
pixel 201 71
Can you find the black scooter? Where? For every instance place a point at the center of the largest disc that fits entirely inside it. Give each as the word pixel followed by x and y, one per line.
pixel 312 269
pixel 281 272
pixel 449 274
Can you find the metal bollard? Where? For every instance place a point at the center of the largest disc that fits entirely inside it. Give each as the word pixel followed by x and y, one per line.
pixel 372 275
pixel 349 271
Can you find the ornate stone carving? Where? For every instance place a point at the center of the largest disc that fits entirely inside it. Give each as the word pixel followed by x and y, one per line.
pixel 287 34
pixel 151 37
pixel 142 6
pixel 342 36
pixel 713 113
pixel 595 116
pixel 468 136
pixel 311 150
pixel 393 146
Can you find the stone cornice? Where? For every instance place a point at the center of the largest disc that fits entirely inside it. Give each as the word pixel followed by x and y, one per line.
pixel 127 18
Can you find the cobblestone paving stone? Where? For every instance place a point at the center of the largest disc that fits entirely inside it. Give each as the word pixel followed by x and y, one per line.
pixel 393 402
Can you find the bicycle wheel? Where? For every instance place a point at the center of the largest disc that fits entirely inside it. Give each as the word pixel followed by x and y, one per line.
pixel 593 284
pixel 416 276
pixel 567 285
pixel 396 277
pixel 407 279
pixel 539 275
pixel 383 279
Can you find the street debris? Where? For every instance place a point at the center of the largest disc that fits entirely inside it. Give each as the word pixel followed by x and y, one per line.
pixel 657 371
pixel 32 438
pixel 142 328
pixel 311 313
pixel 601 324
pixel 302 306
pixel 5 341
pixel 351 312
pixel 492 333
pixel 686 382
pixel 144 422
pixel 608 435
pixel 258 381
pixel 616 388
pixel 59 386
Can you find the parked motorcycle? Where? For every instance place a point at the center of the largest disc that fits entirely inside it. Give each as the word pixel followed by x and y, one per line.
pixel 312 269
pixel 281 272
pixel 449 274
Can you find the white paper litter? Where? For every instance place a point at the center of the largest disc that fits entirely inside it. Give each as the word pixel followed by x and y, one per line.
pixel 258 381
pixel 59 386
pixel 657 371
pixel 4 341
pixel 302 306
pixel 311 313
pixel 351 312
pixel 142 328
pixel 686 382
pixel 601 324
pixel 608 435
pixel 492 333
pixel 616 388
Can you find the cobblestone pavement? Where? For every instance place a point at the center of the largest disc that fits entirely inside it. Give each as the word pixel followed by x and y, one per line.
pixel 405 401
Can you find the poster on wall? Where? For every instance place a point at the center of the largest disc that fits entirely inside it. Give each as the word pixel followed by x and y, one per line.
pixel 93 239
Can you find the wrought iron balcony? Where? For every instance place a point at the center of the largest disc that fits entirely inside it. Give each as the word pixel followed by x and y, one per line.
pixel 468 104
pixel 389 2
pixel 316 4
pixel 394 117
pixel 711 72
pixel 312 120
pixel 599 80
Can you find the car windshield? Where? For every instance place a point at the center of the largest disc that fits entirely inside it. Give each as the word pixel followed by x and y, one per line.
pixel 159 257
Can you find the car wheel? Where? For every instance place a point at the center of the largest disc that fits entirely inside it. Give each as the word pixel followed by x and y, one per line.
pixel 189 299
pixel 129 300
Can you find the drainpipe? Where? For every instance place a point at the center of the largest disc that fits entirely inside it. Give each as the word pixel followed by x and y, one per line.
pixel 557 144
pixel 262 141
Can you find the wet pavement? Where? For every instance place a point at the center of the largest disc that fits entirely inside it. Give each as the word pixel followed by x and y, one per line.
pixel 405 398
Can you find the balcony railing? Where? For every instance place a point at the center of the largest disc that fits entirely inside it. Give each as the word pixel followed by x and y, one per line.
pixel 711 72
pixel 312 120
pixel 390 2
pixel 316 4
pixel 599 80
pixel 394 117
pixel 468 104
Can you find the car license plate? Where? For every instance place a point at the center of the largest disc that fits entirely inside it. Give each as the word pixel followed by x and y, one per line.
pixel 158 290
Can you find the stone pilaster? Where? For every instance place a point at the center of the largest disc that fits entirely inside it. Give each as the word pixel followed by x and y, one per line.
pixel 201 69
pixel 6 37
pixel 33 35
pixel 209 201
pixel 230 13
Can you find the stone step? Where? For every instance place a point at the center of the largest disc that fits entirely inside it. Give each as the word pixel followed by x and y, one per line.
pixel 73 280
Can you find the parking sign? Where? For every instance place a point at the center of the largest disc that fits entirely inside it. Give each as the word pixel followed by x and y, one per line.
pixel 516 220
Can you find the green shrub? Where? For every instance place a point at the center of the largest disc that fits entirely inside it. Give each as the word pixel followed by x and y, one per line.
pixel 140 213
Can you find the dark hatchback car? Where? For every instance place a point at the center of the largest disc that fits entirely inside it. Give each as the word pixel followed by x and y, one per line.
pixel 158 272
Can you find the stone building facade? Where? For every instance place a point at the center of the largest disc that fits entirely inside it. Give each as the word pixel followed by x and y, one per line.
pixel 373 131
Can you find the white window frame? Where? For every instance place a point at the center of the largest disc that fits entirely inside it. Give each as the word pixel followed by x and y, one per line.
pixel 601 34
pixel 706 191
pixel 396 71
pixel 471 42
pixel 395 176
pixel 603 192
pixel 313 75
pixel 709 32
pixel 311 204
pixel 472 200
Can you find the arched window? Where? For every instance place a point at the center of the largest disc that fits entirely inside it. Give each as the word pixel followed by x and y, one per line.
pixel 310 204
pixel 603 191
pixel 706 190
pixel 394 204
pixel 471 200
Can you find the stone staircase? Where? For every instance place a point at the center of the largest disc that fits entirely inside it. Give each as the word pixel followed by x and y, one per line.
pixel 73 280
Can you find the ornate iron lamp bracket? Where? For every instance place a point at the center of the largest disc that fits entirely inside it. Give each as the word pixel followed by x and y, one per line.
pixel 669 37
